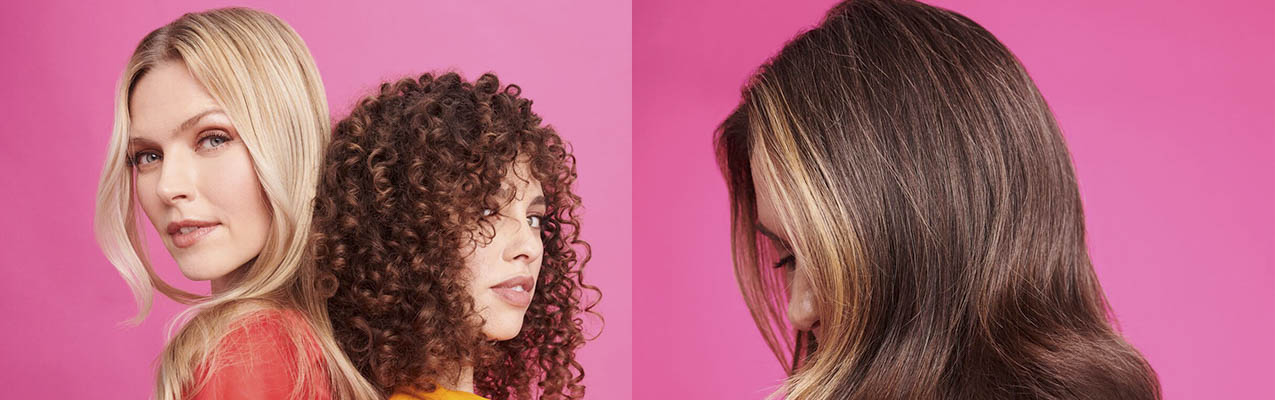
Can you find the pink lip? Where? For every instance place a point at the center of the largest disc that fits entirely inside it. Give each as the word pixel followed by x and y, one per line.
pixel 520 299
pixel 184 240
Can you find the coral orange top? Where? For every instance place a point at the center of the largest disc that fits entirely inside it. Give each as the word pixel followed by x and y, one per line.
pixel 438 394
pixel 258 360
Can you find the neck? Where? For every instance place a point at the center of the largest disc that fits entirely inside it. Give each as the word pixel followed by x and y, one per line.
pixel 221 283
pixel 218 285
pixel 464 382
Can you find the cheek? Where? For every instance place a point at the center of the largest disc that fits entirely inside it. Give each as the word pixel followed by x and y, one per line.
pixel 539 264
pixel 230 183
pixel 144 194
pixel 476 263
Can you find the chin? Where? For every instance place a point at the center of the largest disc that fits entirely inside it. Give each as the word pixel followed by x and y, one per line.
pixel 199 275
pixel 502 337
pixel 201 271
pixel 503 330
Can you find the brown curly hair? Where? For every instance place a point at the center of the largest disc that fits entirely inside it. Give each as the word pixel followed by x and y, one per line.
pixel 405 181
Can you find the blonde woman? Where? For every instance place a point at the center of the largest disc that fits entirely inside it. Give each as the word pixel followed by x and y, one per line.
pixel 220 126
pixel 906 221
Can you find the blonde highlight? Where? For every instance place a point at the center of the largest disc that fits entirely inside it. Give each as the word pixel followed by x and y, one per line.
pixel 930 197
pixel 239 55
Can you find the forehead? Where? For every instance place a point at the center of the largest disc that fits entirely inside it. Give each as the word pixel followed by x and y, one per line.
pixel 520 179
pixel 163 98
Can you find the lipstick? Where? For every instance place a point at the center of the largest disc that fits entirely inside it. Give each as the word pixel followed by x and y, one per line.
pixel 516 291
pixel 186 233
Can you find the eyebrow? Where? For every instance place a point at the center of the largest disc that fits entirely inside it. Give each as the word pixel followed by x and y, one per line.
pixel 767 233
pixel 189 123
pixel 503 193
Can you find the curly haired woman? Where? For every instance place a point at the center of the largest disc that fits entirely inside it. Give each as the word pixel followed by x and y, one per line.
pixel 448 233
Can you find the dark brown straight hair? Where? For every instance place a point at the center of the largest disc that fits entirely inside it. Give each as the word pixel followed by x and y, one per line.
pixel 932 203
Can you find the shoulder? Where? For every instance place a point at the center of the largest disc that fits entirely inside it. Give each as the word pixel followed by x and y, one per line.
pixel 439 393
pixel 260 357
pixel 267 328
pixel 266 338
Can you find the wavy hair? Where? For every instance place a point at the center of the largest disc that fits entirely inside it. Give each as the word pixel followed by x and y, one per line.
pixel 932 203
pixel 407 176
pixel 261 73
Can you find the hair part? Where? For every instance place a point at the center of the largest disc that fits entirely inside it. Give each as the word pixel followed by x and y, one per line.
pixel 240 56
pixel 932 202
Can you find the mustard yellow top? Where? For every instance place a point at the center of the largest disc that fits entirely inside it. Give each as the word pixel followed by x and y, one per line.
pixel 438 394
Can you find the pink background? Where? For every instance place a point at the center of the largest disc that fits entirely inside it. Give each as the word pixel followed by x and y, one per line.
pixel 1169 110
pixel 62 302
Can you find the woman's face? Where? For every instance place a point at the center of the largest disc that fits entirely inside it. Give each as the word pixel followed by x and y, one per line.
pixel 801 298
pixel 504 271
pixel 194 177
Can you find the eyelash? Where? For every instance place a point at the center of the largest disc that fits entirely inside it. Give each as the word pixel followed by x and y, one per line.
pixel 134 159
pixel 789 261
pixel 224 139
pixel 487 212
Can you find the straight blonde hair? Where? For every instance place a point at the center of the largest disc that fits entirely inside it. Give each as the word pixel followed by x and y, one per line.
pixel 260 71
pixel 932 203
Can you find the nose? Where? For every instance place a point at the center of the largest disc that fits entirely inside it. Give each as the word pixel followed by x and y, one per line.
pixel 801 303
pixel 525 244
pixel 176 180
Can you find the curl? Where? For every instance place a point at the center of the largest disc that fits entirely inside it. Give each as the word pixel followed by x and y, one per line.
pixel 408 173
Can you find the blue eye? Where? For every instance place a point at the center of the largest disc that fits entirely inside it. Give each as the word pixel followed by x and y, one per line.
pixel 535 221
pixel 487 212
pixel 144 157
pixel 213 141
